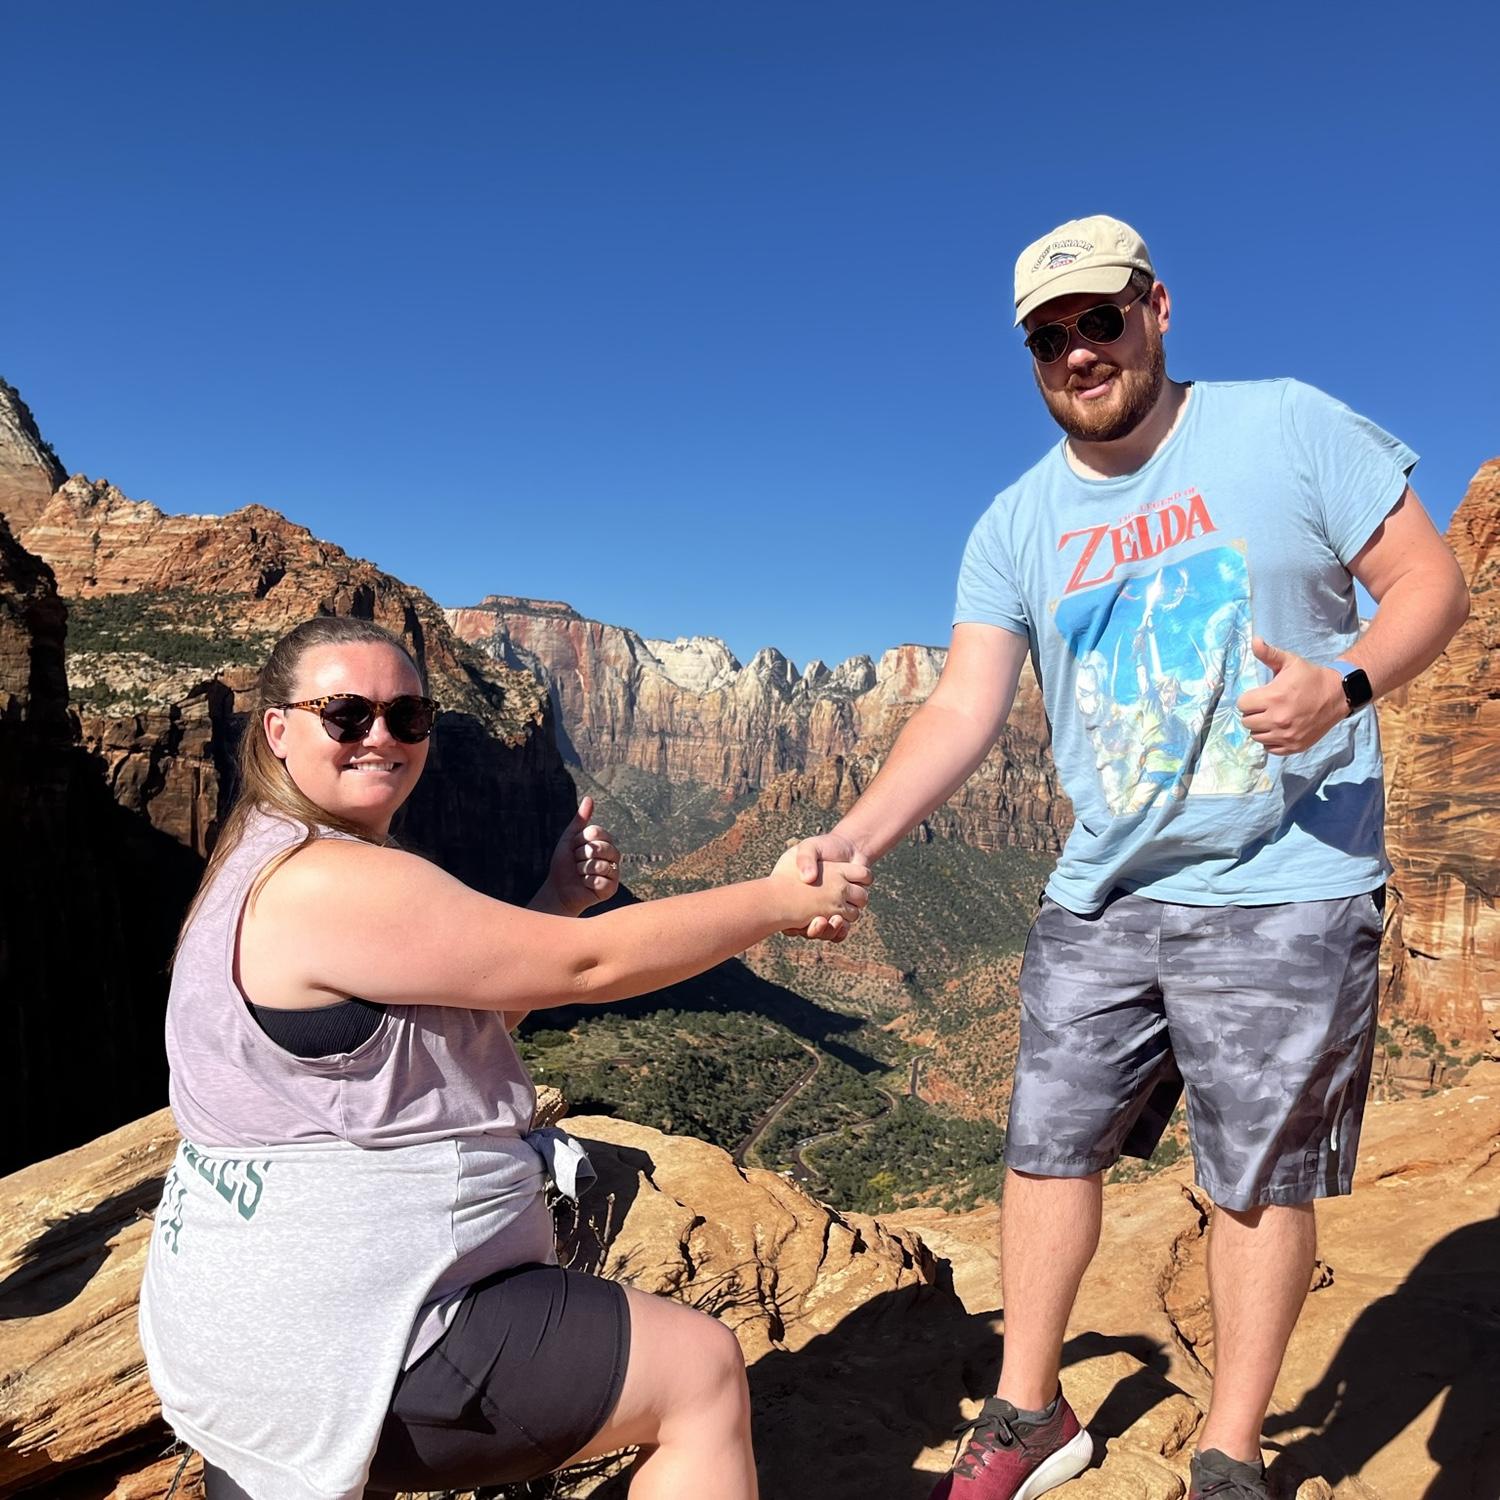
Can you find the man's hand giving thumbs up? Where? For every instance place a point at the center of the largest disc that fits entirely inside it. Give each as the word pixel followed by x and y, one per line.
pixel 1299 705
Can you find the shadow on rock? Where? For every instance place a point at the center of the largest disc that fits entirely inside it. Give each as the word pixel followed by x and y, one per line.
pixel 1440 1332
pixel 860 1405
pixel 61 1261
pixel 586 1229
pixel 1130 1400
pixel 850 1412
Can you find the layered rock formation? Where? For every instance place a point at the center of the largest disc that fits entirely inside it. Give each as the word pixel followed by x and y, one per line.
pixel 89 900
pixel 683 709
pixel 29 469
pixel 867 1340
pixel 1443 935
pixel 687 711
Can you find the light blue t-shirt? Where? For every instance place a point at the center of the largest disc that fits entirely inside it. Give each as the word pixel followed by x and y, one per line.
pixel 1139 596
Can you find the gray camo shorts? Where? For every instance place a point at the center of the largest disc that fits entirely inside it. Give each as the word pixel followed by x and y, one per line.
pixel 1265 1013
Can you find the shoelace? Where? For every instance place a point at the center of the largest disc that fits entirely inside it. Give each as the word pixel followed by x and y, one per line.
pixel 986 1432
pixel 1231 1489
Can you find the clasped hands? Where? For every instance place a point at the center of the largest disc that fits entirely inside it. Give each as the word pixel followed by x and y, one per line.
pixel 810 855
pixel 585 870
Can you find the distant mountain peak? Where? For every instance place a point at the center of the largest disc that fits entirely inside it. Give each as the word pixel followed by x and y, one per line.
pixel 519 604
pixel 29 468
pixel 699 663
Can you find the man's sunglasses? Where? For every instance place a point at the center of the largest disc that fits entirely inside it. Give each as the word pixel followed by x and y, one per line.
pixel 350 716
pixel 1099 325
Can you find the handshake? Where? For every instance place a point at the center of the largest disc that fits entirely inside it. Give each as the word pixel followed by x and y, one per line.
pixel 818 889
pixel 826 866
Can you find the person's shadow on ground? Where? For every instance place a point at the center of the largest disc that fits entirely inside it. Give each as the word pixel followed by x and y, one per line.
pixel 1439 1332
pixel 60 1262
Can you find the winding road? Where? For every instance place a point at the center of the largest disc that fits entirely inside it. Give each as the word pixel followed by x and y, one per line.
pixel 765 1122
pixel 801 1171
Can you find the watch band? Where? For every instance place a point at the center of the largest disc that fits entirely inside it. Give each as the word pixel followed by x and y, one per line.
pixel 1357 689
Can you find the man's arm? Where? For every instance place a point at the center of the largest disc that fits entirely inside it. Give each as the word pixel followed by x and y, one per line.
pixel 1421 601
pixel 1421 595
pixel 938 750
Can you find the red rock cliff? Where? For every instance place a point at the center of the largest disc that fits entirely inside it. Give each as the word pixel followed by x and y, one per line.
pixel 29 470
pixel 1443 940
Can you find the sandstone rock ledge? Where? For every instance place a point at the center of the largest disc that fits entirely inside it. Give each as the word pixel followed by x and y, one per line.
pixel 865 1347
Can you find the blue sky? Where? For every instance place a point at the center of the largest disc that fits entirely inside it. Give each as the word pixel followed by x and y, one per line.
pixel 696 314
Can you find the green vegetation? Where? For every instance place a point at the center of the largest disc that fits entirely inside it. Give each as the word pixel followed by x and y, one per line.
pixel 1172 1147
pixel 1401 1038
pixel 908 1156
pixel 654 819
pixel 177 627
pixel 944 904
pixel 708 1075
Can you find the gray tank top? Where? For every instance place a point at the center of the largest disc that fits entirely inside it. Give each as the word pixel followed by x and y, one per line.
pixel 429 1072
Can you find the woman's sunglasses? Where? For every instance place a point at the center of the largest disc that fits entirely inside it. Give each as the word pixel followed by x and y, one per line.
pixel 350 716
pixel 1099 325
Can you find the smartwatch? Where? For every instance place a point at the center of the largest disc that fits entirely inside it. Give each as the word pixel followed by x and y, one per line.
pixel 1357 689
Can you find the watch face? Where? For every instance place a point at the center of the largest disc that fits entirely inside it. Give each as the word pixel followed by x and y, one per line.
pixel 1357 689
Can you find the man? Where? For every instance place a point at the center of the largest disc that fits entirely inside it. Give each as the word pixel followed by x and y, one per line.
pixel 1181 569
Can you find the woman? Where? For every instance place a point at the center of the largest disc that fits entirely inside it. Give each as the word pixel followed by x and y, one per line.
pixel 352 1277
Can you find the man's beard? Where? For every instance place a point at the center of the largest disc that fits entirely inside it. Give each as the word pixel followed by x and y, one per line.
pixel 1121 412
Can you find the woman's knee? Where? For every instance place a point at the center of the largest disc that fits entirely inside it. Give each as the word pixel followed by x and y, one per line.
pixel 727 1361
pixel 712 1384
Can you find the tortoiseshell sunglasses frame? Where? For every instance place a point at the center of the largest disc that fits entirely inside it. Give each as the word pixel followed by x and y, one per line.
pixel 377 709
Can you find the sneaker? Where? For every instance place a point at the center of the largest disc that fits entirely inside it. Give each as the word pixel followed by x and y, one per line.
pixel 1002 1457
pixel 1216 1474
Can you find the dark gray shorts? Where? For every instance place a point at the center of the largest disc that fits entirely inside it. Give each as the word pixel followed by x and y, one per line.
pixel 527 1373
pixel 1266 1013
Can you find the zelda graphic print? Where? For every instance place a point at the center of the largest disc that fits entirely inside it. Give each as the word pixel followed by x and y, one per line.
pixel 1162 654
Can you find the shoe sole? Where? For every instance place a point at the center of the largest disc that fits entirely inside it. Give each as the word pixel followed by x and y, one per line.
pixel 1058 1468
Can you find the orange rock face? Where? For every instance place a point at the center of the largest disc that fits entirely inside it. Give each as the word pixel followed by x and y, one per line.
pixel 1443 939
pixel 882 1332
pixel 29 470
pixel 1387 1389
pixel 98 542
pixel 669 1215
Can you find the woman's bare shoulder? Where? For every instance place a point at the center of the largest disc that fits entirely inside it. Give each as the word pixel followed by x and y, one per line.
pixel 328 865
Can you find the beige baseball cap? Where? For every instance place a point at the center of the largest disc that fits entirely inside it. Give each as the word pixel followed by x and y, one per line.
pixel 1083 255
